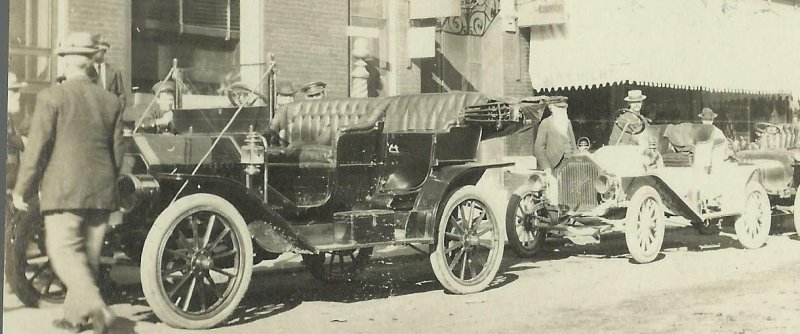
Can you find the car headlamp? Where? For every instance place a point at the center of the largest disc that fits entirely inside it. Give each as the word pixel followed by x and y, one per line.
pixel 537 182
pixel 605 183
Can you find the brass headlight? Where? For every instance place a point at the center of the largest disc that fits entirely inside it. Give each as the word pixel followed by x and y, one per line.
pixel 132 190
pixel 605 183
pixel 537 182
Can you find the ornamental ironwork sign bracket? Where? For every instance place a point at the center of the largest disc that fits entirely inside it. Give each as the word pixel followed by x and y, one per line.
pixel 476 17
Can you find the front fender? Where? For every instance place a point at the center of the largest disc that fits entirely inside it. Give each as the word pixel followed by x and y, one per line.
pixel 672 200
pixel 433 194
pixel 270 230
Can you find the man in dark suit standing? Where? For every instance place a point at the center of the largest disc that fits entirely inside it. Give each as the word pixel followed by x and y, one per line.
pixel 108 77
pixel 74 150
pixel 555 136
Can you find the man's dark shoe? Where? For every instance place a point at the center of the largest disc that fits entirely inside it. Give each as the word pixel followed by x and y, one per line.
pixel 68 326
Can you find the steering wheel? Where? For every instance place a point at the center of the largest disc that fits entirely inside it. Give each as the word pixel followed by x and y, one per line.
pixel 768 128
pixel 630 122
pixel 239 94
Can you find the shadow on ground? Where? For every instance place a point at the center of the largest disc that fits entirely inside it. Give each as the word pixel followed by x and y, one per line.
pixel 274 292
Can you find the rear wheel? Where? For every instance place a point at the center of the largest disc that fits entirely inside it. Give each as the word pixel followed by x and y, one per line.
pixel 338 266
pixel 27 267
pixel 197 262
pixel 752 227
pixel 644 225
pixel 523 212
pixel 469 243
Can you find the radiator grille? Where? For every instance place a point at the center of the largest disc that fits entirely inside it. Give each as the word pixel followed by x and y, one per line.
pixel 576 185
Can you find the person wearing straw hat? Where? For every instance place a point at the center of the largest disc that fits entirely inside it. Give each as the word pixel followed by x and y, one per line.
pixel 16 130
pixel 635 100
pixel 107 76
pixel 74 150
pixel 555 137
pixel 707 117
pixel 159 119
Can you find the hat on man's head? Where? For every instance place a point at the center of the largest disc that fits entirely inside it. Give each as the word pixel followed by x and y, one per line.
pixel 77 43
pixel 164 86
pixel 558 101
pixel 313 88
pixel 101 42
pixel 13 83
pixel 635 96
pixel 285 88
pixel 707 113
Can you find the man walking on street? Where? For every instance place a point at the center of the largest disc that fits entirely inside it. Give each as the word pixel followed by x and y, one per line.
pixel 75 143
pixel 108 77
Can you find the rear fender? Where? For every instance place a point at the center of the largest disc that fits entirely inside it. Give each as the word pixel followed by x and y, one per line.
pixel 269 229
pixel 435 191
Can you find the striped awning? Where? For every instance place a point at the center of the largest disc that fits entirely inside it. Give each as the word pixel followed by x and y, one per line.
pixel 735 46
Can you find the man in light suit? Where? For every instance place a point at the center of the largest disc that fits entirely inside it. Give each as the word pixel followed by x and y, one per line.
pixel 75 144
pixel 108 77
pixel 555 136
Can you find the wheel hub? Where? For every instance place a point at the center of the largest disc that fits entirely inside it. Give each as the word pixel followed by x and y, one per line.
pixel 202 261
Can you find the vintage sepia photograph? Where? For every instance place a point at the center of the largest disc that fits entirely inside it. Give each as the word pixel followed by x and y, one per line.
pixel 402 166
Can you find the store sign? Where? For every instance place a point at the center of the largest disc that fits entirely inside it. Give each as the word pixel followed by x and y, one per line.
pixel 425 9
pixel 541 12
pixel 422 42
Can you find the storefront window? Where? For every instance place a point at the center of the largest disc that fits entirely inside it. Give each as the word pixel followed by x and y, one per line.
pixel 203 35
pixel 30 40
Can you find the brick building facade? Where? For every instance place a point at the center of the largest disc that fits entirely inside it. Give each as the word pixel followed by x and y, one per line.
pixel 310 39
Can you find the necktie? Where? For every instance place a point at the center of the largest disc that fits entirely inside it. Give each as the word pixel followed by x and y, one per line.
pixel 101 75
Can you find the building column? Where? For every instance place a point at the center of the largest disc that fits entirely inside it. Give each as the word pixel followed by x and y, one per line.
pixel 251 42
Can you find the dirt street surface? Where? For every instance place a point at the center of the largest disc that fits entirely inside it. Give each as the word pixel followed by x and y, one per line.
pixel 700 284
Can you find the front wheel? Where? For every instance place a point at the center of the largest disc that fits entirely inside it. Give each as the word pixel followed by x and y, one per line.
pixel 197 262
pixel 796 209
pixel 469 243
pixel 644 225
pixel 338 266
pixel 524 210
pixel 752 227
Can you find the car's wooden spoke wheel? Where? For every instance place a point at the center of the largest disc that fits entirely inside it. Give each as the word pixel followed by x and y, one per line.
pixel 469 243
pixel 522 214
pixel 752 227
pixel 796 209
pixel 197 262
pixel 338 266
pixel 28 269
pixel 644 225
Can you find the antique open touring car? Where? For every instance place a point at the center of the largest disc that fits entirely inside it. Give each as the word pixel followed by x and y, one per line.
pixel 779 143
pixel 677 172
pixel 205 204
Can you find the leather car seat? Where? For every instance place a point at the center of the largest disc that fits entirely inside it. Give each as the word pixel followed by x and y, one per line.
pixel 312 127
pixel 428 112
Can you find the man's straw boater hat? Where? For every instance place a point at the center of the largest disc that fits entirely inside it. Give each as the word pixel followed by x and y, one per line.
pixel 635 96
pixel 78 43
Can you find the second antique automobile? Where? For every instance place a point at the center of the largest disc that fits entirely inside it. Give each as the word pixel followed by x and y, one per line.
pixel 329 179
pixel 681 172
pixel 779 143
